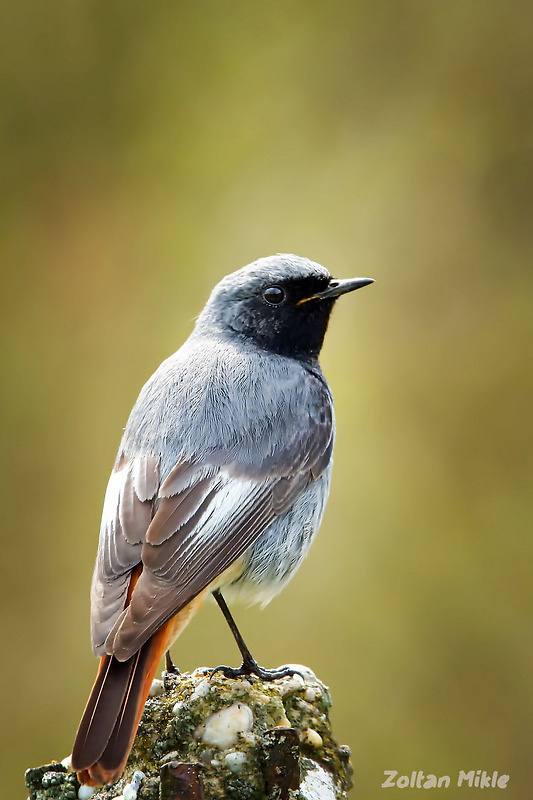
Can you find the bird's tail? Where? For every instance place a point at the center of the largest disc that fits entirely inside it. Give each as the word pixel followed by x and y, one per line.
pixel 109 723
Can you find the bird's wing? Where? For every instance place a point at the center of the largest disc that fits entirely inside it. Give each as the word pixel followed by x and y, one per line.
pixel 127 512
pixel 186 532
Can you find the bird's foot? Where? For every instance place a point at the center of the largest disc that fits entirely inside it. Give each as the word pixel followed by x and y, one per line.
pixel 251 667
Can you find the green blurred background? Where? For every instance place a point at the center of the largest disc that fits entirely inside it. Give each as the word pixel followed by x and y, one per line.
pixel 150 148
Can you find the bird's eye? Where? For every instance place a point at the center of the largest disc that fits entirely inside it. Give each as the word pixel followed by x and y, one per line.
pixel 274 295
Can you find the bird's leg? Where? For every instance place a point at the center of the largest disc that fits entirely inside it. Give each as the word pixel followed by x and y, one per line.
pixel 249 665
pixel 170 667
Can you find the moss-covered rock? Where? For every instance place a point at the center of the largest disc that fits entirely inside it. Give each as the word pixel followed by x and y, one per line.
pixel 225 727
pixel 52 781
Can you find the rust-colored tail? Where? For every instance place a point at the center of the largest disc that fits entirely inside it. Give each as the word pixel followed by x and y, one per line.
pixel 109 723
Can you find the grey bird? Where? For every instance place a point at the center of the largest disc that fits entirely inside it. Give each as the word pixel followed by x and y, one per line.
pixel 220 482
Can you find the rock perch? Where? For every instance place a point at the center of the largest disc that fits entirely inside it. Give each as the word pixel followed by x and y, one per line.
pixel 202 739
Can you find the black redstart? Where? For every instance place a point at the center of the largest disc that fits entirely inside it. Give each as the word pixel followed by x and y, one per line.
pixel 220 482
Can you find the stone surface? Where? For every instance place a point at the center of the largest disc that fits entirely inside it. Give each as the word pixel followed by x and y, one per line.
pixel 222 728
pixel 237 739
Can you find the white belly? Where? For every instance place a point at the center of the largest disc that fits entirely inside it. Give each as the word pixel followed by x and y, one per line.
pixel 276 555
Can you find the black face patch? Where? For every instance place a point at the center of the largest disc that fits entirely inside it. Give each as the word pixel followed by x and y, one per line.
pixel 278 319
pixel 298 289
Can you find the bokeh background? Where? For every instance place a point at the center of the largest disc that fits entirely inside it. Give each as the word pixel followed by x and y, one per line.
pixel 150 148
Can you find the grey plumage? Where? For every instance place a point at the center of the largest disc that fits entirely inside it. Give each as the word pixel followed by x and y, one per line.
pixel 225 460
pixel 220 482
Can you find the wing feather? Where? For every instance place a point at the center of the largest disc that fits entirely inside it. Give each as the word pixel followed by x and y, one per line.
pixel 145 477
pixel 174 512
pixel 125 519
pixel 133 514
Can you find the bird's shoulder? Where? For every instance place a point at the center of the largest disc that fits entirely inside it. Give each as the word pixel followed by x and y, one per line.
pixel 215 395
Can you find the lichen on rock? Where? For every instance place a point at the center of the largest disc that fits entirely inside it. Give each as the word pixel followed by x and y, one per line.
pixel 229 730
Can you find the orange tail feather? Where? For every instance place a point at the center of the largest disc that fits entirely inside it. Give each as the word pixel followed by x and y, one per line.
pixel 111 717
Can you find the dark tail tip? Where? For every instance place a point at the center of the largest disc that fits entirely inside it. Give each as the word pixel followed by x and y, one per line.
pixel 110 719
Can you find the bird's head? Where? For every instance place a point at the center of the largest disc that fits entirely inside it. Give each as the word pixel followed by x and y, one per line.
pixel 282 303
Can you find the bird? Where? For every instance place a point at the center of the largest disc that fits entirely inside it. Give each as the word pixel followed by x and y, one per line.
pixel 219 484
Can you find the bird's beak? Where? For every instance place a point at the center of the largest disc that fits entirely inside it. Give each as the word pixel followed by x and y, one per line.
pixel 337 287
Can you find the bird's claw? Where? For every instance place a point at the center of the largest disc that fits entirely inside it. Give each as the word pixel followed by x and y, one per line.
pixel 170 667
pixel 253 668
